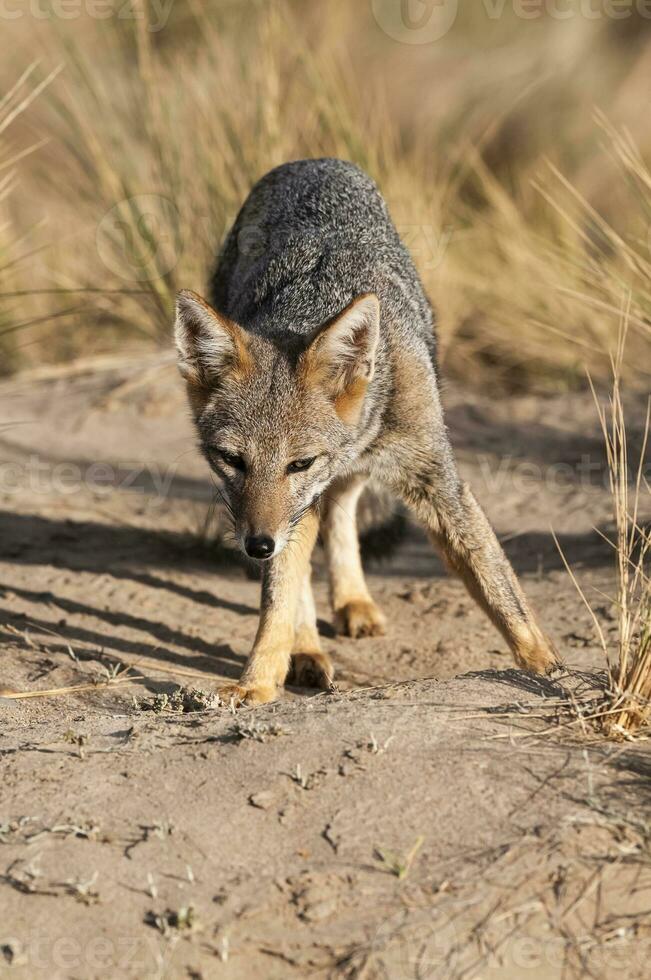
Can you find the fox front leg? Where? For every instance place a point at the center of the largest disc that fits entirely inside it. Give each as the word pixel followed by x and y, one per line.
pixel 282 582
pixel 355 612
pixel 461 531
pixel 310 667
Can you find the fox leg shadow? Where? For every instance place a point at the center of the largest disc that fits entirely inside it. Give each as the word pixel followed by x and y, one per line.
pixel 355 612
pixel 463 535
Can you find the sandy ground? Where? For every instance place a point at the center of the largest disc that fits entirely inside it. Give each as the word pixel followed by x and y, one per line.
pixel 441 815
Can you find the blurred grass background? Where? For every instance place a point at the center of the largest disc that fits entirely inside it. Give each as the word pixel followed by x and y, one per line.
pixel 512 152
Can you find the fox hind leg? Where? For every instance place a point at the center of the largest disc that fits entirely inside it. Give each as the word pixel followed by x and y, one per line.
pixel 310 667
pixel 355 612
pixel 461 531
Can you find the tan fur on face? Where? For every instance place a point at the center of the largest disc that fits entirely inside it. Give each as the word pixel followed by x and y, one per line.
pixel 265 512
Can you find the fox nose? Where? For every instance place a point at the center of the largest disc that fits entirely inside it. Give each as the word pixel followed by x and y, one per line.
pixel 259 546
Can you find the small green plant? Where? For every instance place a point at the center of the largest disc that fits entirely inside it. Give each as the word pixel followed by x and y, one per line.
pixel 396 864
pixel 76 738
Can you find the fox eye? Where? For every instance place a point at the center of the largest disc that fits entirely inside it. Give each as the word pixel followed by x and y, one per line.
pixel 231 459
pixel 300 464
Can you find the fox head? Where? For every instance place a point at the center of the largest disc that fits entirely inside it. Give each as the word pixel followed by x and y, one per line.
pixel 277 422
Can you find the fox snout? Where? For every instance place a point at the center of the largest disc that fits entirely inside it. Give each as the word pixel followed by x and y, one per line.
pixel 262 532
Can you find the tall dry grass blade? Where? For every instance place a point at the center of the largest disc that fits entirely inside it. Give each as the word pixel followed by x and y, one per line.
pixel 575 582
pixel 630 678
pixel 60 691
pixel 6 120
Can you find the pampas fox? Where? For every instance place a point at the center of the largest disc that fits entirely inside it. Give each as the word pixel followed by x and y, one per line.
pixel 313 369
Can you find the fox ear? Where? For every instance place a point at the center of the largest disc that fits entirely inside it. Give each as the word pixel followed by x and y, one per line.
pixel 342 355
pixel 208 343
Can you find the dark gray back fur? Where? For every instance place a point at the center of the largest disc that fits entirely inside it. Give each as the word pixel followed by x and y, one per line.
pixel 311 236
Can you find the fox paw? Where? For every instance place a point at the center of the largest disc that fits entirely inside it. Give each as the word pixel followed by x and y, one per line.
pixel 538 655
pixel 311 670
pixel 360 617
pixel 235 695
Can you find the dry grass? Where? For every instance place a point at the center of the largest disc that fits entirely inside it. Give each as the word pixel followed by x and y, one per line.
pixel 16 99
pixel 625 712
pixel 630 675
pixel 526 214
